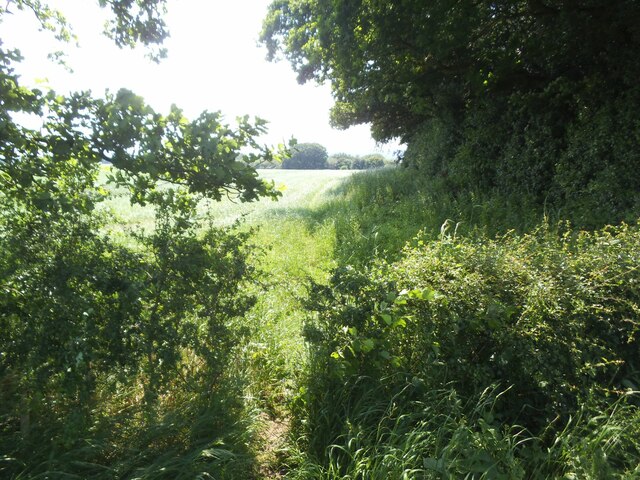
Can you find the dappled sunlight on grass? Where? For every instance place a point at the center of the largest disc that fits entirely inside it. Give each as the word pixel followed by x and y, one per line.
pixel 298 242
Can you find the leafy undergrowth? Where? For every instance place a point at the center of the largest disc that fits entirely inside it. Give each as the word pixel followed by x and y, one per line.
pixel 491 346
pixel 399 330
pixel 216 409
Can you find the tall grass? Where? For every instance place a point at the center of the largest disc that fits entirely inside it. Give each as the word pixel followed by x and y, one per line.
pixel 374 415
pixel 395 390
pixel 376 213
pixel 434 434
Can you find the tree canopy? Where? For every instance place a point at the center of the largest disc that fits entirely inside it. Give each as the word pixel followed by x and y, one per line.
pixel 121 129
pixel 529 97
pixel 307 156
pixel 396 64
pixel 131 22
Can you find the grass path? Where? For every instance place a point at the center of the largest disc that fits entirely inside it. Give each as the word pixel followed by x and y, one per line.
pixel 298 246
pixel 298 249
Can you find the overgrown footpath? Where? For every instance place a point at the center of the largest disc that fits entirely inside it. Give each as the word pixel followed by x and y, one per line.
pixel 366 326
pixel 498 342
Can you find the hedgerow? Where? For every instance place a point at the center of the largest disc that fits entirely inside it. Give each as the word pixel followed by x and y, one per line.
pixel 548 321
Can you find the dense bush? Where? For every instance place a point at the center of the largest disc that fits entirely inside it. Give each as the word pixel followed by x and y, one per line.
pixel 113 354
pixel 88 324
pixel 549 319
pixel 578 158
pixel 307 156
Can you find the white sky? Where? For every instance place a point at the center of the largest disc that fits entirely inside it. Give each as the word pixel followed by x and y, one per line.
pixel 214 64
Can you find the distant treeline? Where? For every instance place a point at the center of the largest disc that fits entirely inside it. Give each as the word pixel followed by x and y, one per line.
pixel 313 156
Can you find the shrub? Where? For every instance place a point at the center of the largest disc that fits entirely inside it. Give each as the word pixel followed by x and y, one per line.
pixel 99 338
pixel 548 318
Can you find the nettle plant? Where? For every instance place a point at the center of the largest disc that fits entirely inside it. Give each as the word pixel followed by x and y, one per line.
pixel 81 314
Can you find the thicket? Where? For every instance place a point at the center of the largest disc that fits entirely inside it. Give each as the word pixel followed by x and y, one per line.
pixel 495 356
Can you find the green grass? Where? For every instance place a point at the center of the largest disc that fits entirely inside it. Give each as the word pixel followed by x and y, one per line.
pixel 361 427
pixel 301 190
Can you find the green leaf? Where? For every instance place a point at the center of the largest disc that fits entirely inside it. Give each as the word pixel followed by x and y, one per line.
pixel 428 294
pixel 400 322
pixel 367 345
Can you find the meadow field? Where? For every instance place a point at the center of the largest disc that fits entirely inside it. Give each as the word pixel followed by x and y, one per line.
pixel 469 311
pixel 301 190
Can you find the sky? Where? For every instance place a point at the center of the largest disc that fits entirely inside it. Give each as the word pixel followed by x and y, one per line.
pixel 214 63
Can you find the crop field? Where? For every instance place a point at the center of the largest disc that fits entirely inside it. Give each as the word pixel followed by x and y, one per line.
pixel 301 190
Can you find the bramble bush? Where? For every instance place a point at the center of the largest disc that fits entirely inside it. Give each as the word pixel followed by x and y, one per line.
pixel 547 320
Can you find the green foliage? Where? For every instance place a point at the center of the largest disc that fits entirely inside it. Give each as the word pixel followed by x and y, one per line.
pixel 103 342
pixel 85 319
pixel 418 433
pixel 377 212
pixel 525 97
pixel 397 65
pixel 547 317
pixel 373 160
pixel 343 161
pixel 433 434
pixel 132 22
pixel 137 22
pixel 567 148
pixel 307 156
pixel 550 318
